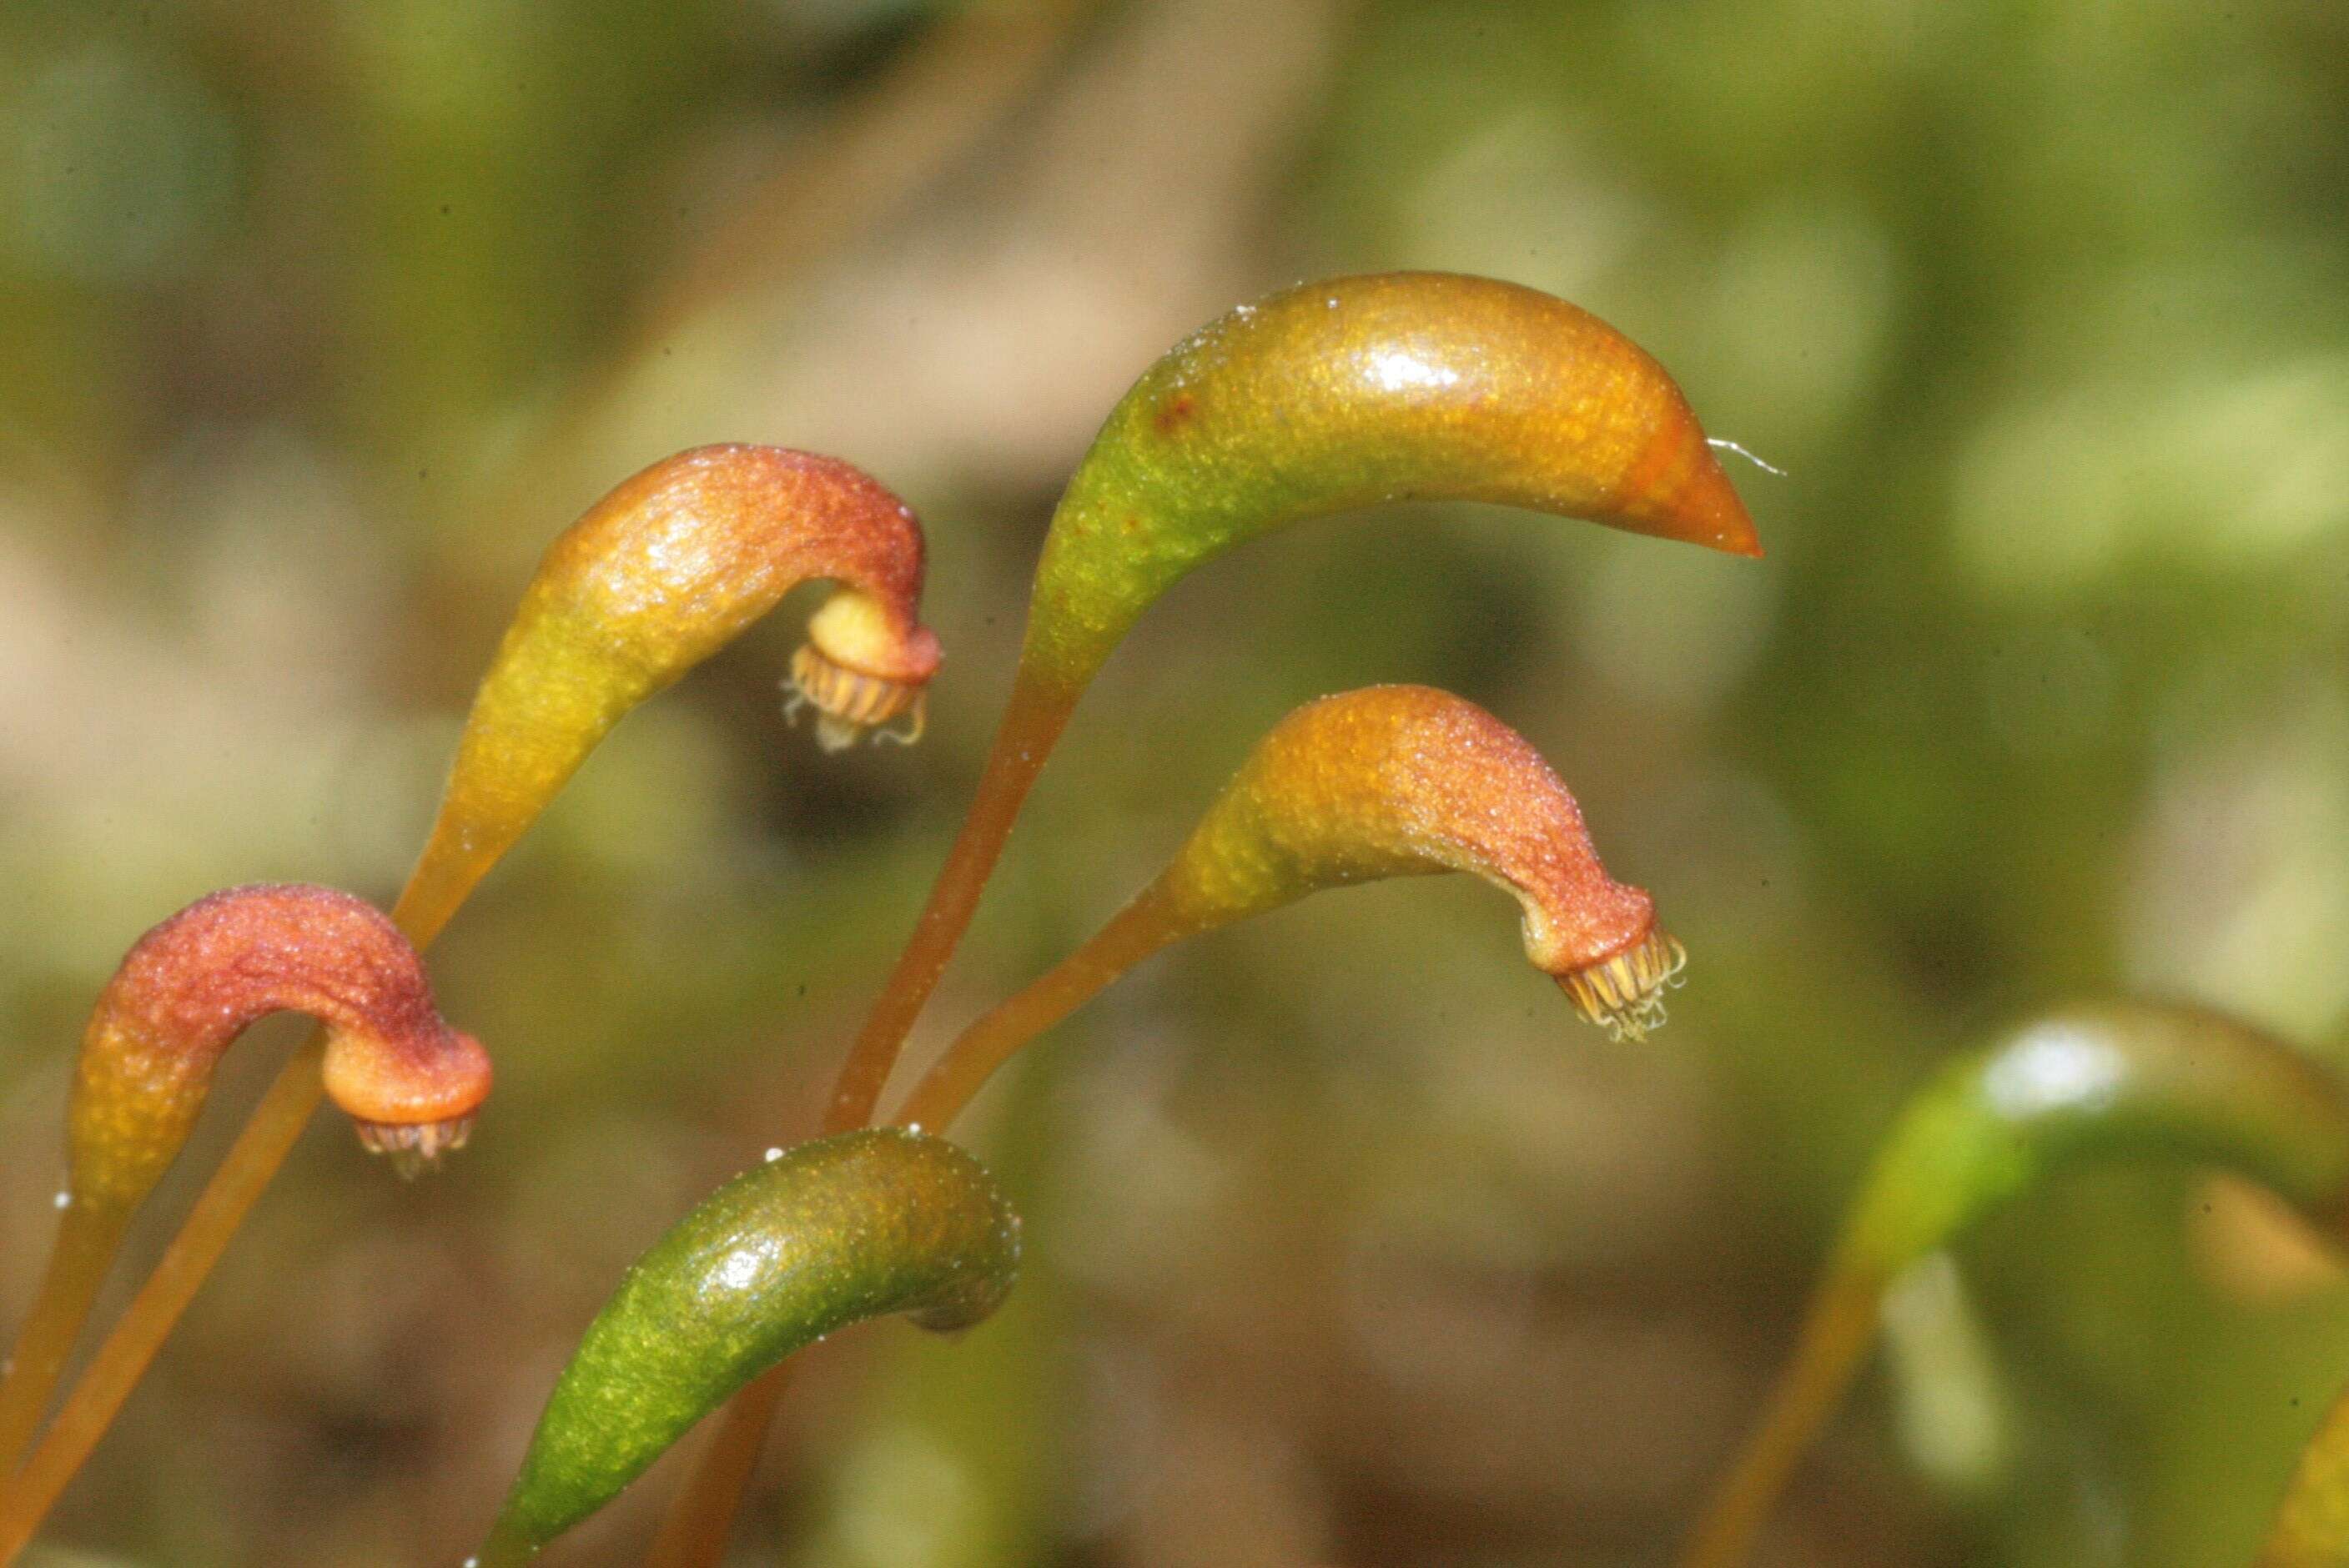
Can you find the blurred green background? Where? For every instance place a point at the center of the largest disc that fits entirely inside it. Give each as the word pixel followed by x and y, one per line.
pixel 1348 1245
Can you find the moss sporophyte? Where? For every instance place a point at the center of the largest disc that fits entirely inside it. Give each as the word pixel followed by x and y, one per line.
pixel 660 573
pixel 1320 399
pixel 858 1225
pixel 1386 782
pixel 2090 1082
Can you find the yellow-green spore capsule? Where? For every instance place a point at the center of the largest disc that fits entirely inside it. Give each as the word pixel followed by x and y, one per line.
pixel 2099 1080
pixel 1407 780
pixel 859 1225
pixel 184 993
pixel 1356 391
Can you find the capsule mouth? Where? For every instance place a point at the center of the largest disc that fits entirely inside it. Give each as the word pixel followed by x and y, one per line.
pixel 414 1146
pixel 850 702
pixel 1624 994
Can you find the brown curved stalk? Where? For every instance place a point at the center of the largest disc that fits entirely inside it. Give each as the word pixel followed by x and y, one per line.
pixel 1031 724
pixel 1137 931
pixel 699 1523
pixel 1837 1335
pixel 88 1240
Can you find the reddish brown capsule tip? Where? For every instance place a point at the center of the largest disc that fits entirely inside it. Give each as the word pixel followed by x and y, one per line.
pixel 190 986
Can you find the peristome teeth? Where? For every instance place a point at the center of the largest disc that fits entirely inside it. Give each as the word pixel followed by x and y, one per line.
pixel 848 703
pixel 417 1145
pixel 1624 994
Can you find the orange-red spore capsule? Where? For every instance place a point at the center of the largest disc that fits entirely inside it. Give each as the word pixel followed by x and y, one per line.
pixel 190 986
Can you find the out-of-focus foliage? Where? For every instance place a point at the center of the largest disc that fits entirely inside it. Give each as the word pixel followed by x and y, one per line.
pixel 1346 1246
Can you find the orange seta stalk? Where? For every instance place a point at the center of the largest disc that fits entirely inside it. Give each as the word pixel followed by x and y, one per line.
pixel 660 573
pixel 183 993
pixel 1032 722
pixel 1140 929
pixel 700 1519
pixel 122 1359
pixel 1331 396
pixel 1837 1333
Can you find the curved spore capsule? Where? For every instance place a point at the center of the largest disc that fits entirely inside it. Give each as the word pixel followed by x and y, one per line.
pixel 1397 781
pixel 2094 1081
pixel 666 570
pixel 859 1225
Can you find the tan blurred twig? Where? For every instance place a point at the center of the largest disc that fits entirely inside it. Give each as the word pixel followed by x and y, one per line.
pixel 903 132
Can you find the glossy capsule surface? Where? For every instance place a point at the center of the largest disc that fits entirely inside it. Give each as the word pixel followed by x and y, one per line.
pixel 859 1225
pixel 2103 1079
pixel 1360 390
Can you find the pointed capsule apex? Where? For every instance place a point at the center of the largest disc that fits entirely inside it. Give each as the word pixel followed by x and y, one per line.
pixel 1709 509
pixel 1678 490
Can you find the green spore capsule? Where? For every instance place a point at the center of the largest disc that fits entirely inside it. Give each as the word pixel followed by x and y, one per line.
pixel 2098 1081
pixel 834 1232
